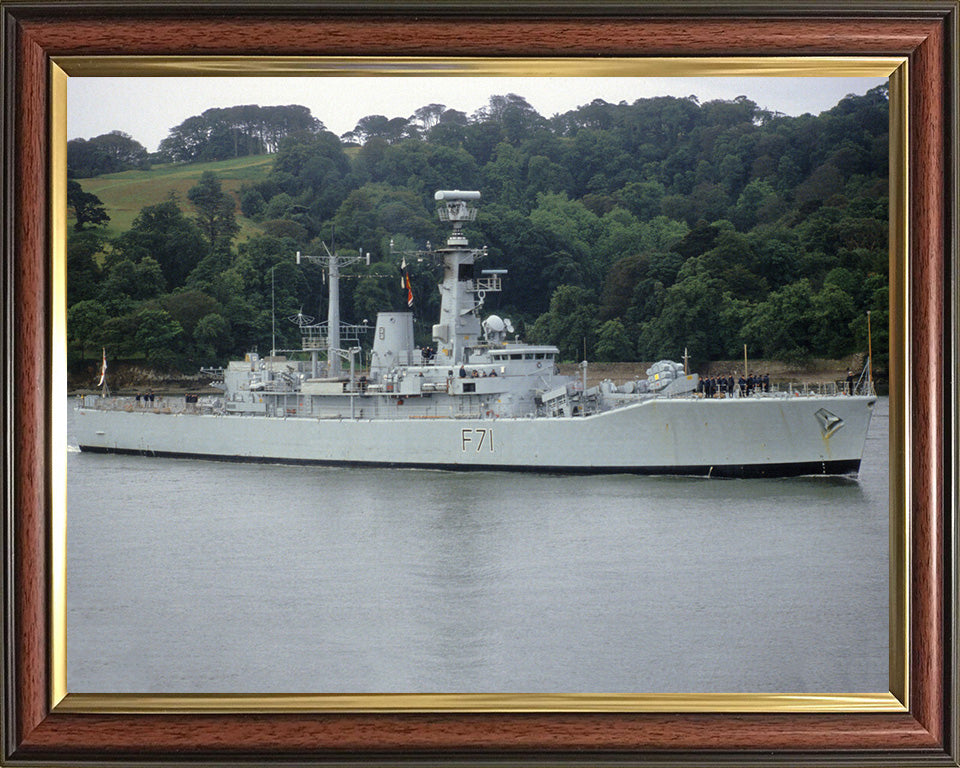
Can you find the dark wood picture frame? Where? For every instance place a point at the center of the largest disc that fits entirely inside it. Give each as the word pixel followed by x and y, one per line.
pixel 926 33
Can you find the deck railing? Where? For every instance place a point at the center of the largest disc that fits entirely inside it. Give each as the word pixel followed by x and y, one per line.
pixel 159 404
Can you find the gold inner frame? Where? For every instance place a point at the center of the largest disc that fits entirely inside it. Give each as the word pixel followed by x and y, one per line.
pixel 895 68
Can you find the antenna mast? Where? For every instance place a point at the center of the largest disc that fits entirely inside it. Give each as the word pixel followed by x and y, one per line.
pixel 332 261
pixel 462 291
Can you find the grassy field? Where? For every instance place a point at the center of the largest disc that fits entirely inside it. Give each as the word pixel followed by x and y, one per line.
pixel 124 194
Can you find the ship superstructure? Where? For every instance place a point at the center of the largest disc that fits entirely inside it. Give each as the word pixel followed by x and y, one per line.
pixel 479 399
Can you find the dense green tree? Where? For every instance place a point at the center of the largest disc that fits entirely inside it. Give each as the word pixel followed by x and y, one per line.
pixel 731 260
pixel 422 168
pixel 820 186
pixel 780 326
pixel 757 204
pixel 426 117
pixel 513 115
pixel 221 133
pixel 187 142
pixel 516 245
pixel 697 241
pixel 376 292
pixel 372 214
pixel 108 153
pixel 613 343
pixel 310 156
pixel 662 234
pixel 450 129
pixel 127 281
pixel 119 334
pixel 85 325
pixel 252 203
pixel 83 270
pixel 597 162
pixel 215 211
pixel 874 331
pixel 155 334
pixel 665 266
pixel 286 229
pixel 642 198
pixel 163 233
pixel 568 222
pixel 620 283
pixel 188 307
pixel 505 175
pixel 776 254
pixel 570 323
pixel 690 318
pixel 480 139
pixel 379 127
pixel 87 207
pixel 544 175
pixel 832 311
pixel 212 337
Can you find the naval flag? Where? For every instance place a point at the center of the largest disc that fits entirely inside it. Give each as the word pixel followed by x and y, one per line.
pixel 405 282
pixel 103 369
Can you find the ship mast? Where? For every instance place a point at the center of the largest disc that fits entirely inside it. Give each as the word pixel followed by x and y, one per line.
pixel 333 308
pixel 313 336
pixel 462 292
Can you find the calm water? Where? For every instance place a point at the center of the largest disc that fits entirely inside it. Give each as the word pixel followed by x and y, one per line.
pixel 194 576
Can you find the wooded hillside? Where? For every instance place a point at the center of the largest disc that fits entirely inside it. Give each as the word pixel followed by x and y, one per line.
pixel 629 230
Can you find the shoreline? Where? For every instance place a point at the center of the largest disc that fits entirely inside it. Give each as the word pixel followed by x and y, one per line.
pixel 814 371
pixel 125 379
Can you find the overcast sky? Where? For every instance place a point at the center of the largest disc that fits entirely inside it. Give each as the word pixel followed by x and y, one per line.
pixel 148 107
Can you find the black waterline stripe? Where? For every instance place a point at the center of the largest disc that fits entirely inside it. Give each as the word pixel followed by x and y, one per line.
pixel 792 469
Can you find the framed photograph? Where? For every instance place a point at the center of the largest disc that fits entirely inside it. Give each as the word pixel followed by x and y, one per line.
pixel 913 48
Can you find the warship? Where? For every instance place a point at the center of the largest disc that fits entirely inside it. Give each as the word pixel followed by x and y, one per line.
pixel 479 399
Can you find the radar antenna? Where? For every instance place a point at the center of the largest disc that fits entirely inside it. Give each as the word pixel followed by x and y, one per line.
pixel 458 207
pixel 300 319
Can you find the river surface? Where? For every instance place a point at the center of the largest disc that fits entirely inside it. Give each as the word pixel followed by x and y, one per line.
pixel 197 576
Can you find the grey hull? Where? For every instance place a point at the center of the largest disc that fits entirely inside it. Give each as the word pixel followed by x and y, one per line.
pixel 748 437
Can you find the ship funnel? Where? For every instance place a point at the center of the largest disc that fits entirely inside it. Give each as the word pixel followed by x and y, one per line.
pixel 457 207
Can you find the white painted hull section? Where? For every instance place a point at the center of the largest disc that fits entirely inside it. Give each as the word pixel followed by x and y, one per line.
pixel 760 436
